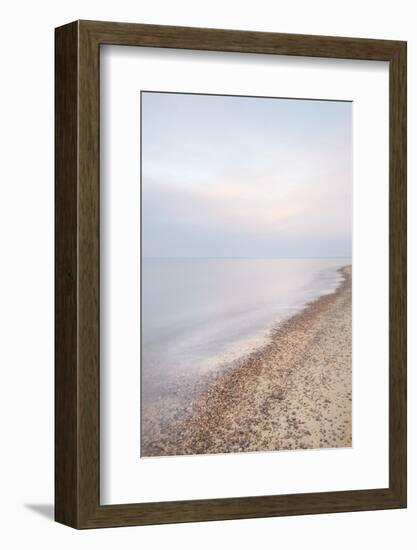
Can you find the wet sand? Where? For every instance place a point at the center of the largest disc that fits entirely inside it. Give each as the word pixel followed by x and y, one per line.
pixel 293 393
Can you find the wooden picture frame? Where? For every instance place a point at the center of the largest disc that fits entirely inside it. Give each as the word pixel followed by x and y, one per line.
pixel 77 374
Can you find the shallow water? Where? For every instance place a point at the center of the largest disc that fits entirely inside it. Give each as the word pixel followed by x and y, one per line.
pixel 198 314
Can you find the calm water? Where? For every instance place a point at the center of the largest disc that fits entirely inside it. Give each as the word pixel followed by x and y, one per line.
pixel 198 314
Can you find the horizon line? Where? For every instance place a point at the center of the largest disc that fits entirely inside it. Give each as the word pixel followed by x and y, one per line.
pixel 246 257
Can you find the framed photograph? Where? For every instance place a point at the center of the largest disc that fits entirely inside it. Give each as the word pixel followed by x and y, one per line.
pixel 230 274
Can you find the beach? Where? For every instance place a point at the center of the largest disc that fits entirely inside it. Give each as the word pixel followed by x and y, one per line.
pixel 295 392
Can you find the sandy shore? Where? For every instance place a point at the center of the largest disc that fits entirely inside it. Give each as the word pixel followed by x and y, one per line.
pixel 294 393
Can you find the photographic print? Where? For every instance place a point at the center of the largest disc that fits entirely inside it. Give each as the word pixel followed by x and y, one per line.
pixel 246 274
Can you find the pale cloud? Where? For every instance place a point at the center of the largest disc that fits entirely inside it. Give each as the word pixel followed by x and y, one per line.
pixel 297 196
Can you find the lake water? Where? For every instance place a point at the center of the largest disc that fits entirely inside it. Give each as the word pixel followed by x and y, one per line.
pixel 198 314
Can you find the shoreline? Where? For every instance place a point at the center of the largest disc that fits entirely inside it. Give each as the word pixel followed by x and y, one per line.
pixel 292 393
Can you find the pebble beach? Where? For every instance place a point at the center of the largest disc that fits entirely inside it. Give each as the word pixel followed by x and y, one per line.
pixel 295 392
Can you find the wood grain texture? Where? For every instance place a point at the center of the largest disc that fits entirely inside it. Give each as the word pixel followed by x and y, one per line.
pixel 398 273
pixel 78 285
pixel 66 237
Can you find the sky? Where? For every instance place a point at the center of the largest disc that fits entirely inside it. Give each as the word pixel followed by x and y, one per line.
pixel 227 176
